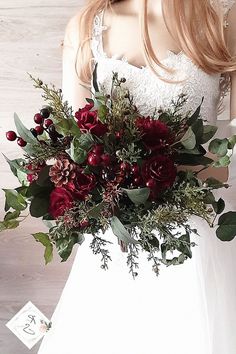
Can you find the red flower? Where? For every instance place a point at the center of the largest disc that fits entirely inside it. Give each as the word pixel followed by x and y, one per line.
pixel 155 134
pixel 88 121
pixel 60 200
pixel 159 173
pixel 82 184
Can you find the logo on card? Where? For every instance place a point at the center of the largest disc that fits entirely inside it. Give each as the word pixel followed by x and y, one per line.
pixel 29 324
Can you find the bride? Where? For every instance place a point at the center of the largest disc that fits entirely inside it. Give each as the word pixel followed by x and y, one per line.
pixel 187 309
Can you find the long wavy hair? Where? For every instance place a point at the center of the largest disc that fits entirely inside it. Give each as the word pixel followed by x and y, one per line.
pixel 198 27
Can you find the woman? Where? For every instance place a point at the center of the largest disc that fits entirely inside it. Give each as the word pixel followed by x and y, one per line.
pixel 190 308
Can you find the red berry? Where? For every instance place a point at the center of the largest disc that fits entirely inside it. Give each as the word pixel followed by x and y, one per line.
pixel 94 160
pixel 84 223
pixel 119 134
pixel 135 169
pixel 98 149
pixel 106 159
pixel 38 118
pixel 11 135
pixel 151 183
pixel 48 122
pixel 125 166
pixel 39 129
pixel 21 142
pixel 138 181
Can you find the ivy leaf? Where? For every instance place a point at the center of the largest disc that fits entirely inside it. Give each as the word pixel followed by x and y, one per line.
pixel 227 226
pixel 184 247
pixel 138 195
pixel 16 165
pixel 222 162
pixel 9 224
pixel 231 142
pixel 44 239
pixel 67 127
pixel 214 183
pixel 120 231
pixel 65 246
pixel 189 139
pixel 11 215
pixel 219 146
pixel 23 132
pixel 15 200
pixel 219 206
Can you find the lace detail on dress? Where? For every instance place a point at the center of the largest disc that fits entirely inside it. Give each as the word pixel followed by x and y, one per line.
pixel 148 90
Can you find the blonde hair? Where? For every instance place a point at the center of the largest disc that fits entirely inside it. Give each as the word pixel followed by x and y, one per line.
pixel 196 26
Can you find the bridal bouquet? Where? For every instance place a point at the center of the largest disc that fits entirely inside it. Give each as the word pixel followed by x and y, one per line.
pixel 107 166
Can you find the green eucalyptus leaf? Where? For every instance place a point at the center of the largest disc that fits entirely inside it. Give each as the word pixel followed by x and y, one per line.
pixel 226 230
pixel 95 212
pixel 120 231
pixel 137 195
pixel 193 118
pixel 208 132
pixel 197 128
pixel 67 127
pixel 44 239
pixel 23 132
pixel 189 139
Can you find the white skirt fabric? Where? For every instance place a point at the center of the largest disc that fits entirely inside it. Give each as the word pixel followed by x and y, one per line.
pixel 188 309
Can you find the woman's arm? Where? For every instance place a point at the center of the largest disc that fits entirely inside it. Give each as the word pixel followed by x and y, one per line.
pixel 72 90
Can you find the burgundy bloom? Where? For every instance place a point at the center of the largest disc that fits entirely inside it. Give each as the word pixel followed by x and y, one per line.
pixel 60 200
pixel 159 173
pixel 82 184
pixel 88 121
pixel 155 133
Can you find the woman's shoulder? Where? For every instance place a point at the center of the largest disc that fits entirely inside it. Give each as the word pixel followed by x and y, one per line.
pixel 71 33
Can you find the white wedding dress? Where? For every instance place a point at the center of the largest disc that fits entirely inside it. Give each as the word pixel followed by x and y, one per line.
pixel 188 309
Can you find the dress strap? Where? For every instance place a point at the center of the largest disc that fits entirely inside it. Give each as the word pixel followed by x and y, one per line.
pixel 96 41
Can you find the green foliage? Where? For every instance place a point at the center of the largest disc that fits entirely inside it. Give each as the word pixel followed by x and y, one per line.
pixel 120 231
pixel 23 132
pixel 226 230
pixel 137 195
pixel 45 241
pixel 14 200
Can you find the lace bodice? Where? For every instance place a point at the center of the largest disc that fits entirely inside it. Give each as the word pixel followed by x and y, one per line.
pixel 147 89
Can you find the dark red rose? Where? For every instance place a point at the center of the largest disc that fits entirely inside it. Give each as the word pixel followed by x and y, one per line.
pixel 88 121
pixel 82 184
pixel 159 173
pixel 156 135
pixel 60 200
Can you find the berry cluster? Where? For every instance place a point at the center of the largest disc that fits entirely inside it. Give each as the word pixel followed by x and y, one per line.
pixel 43 123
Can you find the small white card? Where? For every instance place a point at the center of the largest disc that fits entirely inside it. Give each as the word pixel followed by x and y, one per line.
pixel 29 324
